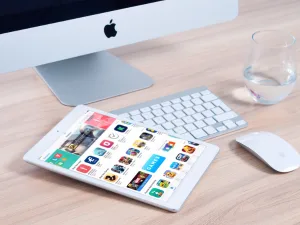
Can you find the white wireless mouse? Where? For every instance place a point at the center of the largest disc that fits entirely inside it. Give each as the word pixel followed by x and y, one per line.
pixel 271 149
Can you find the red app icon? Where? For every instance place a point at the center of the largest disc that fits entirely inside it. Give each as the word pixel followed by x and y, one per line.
pixel 58 156
pixel 106 143
pixel 83 168
pixel 100 121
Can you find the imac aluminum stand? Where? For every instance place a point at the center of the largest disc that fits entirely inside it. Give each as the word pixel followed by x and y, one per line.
pixel 92 78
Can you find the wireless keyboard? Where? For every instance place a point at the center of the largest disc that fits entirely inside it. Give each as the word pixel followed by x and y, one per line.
pixel 195 113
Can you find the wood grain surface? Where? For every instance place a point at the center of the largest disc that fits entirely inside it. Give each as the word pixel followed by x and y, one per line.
pixel 237 189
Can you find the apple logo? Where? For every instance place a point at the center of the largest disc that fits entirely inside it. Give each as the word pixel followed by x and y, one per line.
pixel 109 30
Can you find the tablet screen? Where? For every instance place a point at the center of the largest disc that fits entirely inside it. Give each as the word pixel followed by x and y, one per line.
pixel 124 154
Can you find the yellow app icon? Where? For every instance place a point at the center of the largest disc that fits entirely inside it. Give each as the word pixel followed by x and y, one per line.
pixel 169 174
pixel 139 144
pixel 163 183
pixel 110 177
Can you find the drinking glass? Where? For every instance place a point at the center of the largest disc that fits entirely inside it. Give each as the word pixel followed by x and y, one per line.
pixel 270 70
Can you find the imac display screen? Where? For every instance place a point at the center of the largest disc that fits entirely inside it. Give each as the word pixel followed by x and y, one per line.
pixel 19 14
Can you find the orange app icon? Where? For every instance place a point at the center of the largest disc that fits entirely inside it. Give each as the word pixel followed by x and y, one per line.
pixel 188 149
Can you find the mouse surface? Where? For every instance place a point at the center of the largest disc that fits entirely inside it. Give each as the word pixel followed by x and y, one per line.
pixel 271 149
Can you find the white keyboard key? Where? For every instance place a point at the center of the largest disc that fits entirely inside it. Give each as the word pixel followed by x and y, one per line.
pixel 179 114
pixel 149 123
pixel 208 113
pixel 225 116
pixel 188 119
pixel 198 133
pixel 240 122
pixel 167 103
pixel 159 120
pixel 169 117
pixel 210 121
pixel 124 115
pixel 208 105
pixel 209 98
pixel 178 106
pixel 186 98
pixel 179 130
pixel 210 130
pixel 168 125
pixel 178 122
pixel 199 108
pixel 188 136
pixel 200 124
pixel 189 111
pixel 172 133
pixel 146 109
pixel 187 104
pixel 158 112
pixel 148 115
pixel 137 118
pixel 159 127
pixel 225 107
pixel 157 106
pixel 135 112
pixel 197 101
pixel 217 102
pixel 177 100
pixel 168 109
pixel 196 95
pixel 206 92
pixel 217 110
pixel 190 127
pixel 229 124
pixel 198 116
pixel 221 128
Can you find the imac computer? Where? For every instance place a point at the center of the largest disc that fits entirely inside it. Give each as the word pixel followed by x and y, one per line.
pixel 65 40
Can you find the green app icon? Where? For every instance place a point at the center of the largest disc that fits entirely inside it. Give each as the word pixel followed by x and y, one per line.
pixel 157 193
pixel 63 158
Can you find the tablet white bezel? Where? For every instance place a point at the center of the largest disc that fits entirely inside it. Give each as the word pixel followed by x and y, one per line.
pixel 176 200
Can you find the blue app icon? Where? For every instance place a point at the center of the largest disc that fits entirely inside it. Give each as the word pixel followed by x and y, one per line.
pixel 153 163
pixel 99 151
pixel 170 145
pixel 91 160
pixel 174 165
pixel 193 143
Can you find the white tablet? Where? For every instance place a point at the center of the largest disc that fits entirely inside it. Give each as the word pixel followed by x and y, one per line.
pixel 124 157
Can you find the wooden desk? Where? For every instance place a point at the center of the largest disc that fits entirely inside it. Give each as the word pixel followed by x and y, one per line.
pixel 237 189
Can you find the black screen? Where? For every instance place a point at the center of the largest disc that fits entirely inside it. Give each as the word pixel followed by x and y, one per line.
pixel 22 14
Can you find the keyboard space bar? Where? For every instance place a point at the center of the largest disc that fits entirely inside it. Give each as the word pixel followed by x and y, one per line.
pixel 225 116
